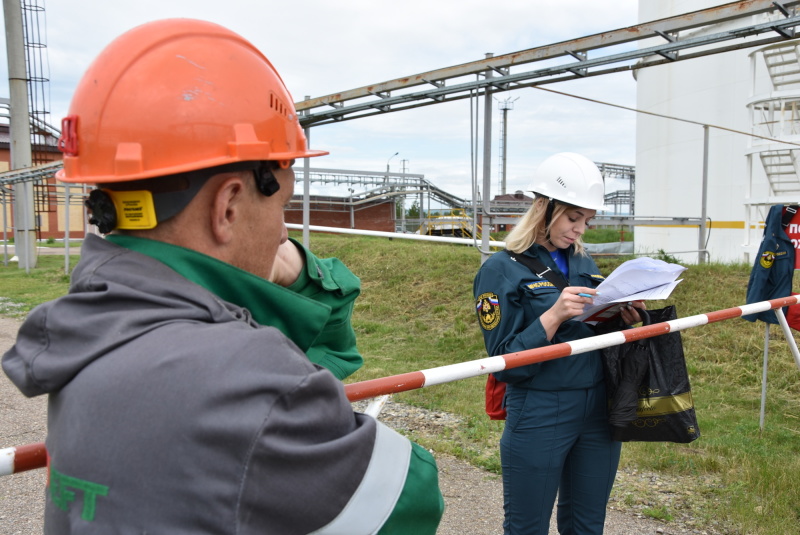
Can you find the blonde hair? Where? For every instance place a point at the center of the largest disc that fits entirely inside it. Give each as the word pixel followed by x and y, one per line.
pixel 532 226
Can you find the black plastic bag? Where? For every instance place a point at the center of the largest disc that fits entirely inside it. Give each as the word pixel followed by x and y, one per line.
pixel 650 398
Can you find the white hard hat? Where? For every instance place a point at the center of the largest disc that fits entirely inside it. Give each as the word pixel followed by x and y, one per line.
pixel 570 178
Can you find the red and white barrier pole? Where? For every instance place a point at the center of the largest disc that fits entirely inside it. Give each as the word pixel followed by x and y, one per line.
pixel 21 458
pixel 34 455
pixel 473 368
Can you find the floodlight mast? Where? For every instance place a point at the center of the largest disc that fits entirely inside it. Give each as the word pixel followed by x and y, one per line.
pixel 389 160
pixel 505 106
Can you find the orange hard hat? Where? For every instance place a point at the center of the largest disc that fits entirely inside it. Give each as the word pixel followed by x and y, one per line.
pixel 173 96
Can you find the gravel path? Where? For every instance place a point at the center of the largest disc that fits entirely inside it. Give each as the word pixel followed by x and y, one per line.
pixel 22 421
pixel 473 497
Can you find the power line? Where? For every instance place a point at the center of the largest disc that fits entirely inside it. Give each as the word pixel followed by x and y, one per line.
pixel 661 115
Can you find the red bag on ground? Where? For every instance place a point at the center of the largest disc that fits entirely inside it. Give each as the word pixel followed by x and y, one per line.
pixel 495 398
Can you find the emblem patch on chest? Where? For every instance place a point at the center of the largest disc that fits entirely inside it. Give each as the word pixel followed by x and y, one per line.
pixel 488 308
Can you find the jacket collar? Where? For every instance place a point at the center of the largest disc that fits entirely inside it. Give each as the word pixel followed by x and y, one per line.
pixel 299 318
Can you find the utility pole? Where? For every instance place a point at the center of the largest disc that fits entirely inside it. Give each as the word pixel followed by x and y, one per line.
pixel 504 106
pixel 20 130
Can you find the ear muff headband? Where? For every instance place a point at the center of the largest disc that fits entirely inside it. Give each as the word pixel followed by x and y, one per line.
pixel 266 182
pixel 134 206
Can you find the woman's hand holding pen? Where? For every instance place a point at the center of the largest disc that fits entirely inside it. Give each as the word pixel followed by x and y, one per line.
pixel 569 304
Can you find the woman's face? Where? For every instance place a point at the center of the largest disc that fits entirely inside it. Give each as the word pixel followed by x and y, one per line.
pixel 568 227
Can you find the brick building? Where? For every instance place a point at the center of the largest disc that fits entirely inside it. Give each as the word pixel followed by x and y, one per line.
pixel 375 214
pixel 48 194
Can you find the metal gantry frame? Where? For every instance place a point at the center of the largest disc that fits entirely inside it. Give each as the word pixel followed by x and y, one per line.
pixel 382 181
pixel 620 197
pixel 494 73
pixel 687 36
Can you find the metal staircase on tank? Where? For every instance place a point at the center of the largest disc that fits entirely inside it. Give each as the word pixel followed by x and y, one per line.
pixel 780 167
pixel 783 64
pixel 775 114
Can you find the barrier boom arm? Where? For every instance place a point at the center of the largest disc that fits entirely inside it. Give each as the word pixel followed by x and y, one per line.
pixel 21 458
pixel 473 368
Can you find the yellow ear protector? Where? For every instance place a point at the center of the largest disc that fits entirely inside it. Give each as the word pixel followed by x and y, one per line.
pixel 121 209
pixel 141 204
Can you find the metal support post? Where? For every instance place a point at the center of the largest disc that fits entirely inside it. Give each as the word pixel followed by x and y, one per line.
pixel 487 162
pixel 764 378
pixel 66 227
pixel 5 231
pixel 787 332
pixel 306 188
pixel 701 246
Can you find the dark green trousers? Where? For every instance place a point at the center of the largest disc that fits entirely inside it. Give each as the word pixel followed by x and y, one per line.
pixel 557 443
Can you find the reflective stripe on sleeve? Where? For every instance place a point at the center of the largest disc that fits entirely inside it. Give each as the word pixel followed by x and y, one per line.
pixel 375 498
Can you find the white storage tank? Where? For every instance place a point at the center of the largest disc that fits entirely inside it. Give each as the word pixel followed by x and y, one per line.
pixel 734 90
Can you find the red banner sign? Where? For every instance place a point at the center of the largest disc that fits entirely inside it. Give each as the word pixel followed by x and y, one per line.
pixel 793 232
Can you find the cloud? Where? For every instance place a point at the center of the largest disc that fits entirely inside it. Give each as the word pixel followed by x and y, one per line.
pixel 323 47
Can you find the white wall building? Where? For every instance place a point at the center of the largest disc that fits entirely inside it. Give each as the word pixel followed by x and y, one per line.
pixel 735 90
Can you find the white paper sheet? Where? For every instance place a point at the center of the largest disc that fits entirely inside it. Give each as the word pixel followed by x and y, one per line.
pixel 635 280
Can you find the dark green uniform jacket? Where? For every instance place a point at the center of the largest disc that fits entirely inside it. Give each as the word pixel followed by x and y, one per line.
pixel 510 299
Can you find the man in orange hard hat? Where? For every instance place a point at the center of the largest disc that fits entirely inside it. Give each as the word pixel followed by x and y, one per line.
pixel 182 393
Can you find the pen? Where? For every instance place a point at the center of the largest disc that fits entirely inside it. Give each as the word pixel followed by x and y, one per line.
pixel 585 295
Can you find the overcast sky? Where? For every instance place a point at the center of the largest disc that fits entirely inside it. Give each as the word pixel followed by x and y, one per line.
pixel 322 47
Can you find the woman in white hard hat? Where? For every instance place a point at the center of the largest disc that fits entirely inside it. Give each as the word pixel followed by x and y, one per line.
pixel 557 439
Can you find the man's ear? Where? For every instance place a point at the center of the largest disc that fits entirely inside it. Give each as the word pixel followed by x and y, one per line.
pixel 226 208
